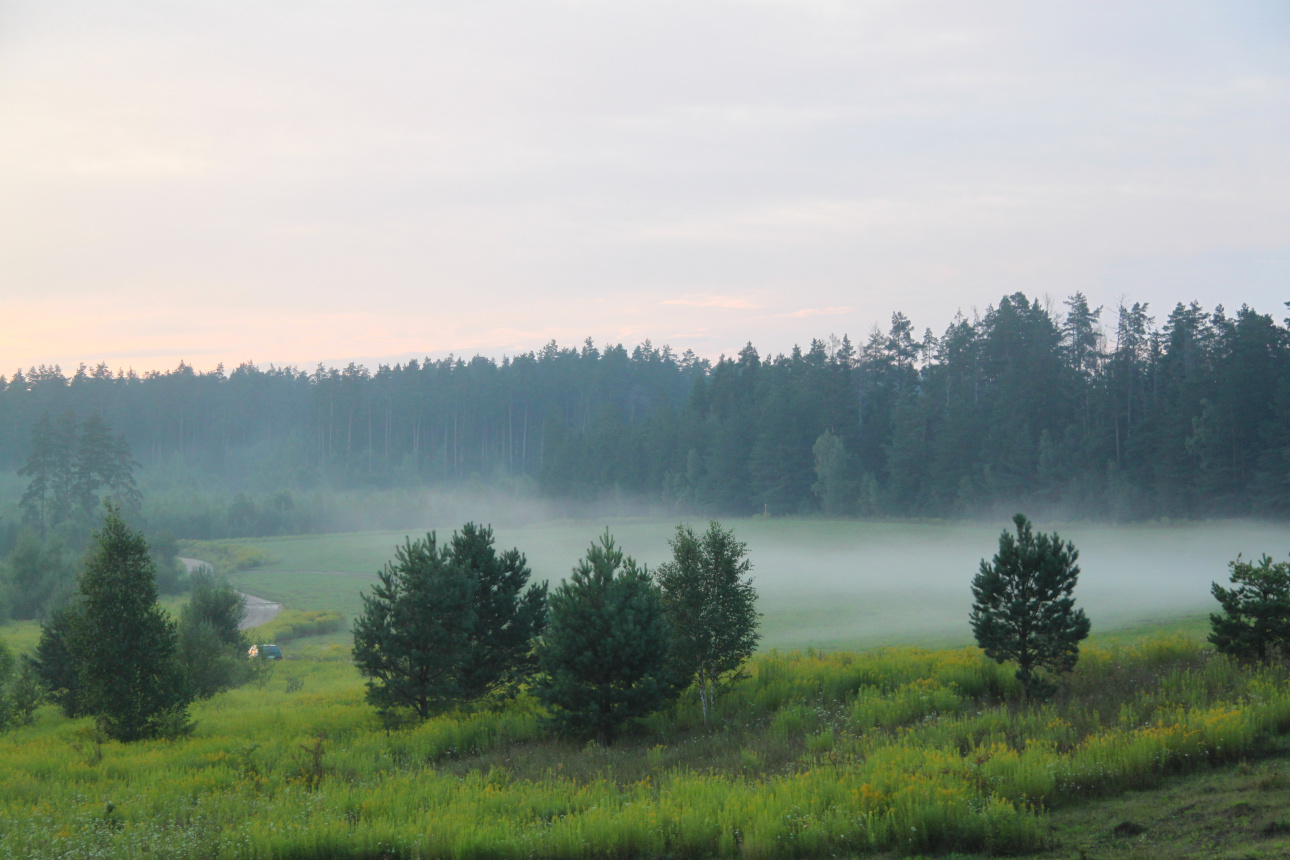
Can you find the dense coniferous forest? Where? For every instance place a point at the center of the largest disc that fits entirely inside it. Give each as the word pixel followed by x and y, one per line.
pixel 1105 414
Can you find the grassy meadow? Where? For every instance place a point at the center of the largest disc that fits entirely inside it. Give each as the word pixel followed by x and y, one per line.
pixel 919 747
pixel 902 751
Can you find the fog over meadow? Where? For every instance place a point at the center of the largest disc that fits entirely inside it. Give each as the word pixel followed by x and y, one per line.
pixel 869 583
pixel 825 583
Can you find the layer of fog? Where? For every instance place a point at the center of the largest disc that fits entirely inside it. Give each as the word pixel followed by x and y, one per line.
pixel 851 583
pixel 857 583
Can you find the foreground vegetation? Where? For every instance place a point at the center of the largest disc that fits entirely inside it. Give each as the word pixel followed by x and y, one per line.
pixel 898 750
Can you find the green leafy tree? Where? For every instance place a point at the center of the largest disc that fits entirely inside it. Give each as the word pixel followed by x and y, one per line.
pixel 212 646
pixel 414 632
pixel 507 617
pixel 711 608
pixel 603 659
pixel 123 643
pixel 1255 623
pixel 1023 609
pixel 54 664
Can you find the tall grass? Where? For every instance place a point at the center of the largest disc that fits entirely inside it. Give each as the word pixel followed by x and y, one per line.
pixel 898 750
pixel 225 557
pixel 291 624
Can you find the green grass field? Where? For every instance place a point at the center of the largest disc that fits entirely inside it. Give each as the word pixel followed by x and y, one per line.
pixel 830 584
pixel 897 751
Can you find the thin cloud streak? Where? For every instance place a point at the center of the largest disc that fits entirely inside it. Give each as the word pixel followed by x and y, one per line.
pixel 729 302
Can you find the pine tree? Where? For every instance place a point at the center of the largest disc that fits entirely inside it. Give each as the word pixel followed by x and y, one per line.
pixel 711 608
pixel 123 643
pixel 414 633
pixel 50 495
pixel 1255 624
pixel 1023 609
pixel 506 616
pixel 92 463
pixel 604 656
pixel 103 461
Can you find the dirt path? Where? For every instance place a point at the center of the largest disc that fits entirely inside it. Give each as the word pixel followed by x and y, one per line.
pixel 258 610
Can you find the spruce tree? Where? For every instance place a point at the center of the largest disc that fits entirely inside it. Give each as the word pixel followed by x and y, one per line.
pixel 123 643
pixel 603 659
pixel 1023 609
pixel 414 633
pixel 711 608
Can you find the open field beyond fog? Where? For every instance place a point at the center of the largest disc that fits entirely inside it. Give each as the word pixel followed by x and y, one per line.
pixel 832 584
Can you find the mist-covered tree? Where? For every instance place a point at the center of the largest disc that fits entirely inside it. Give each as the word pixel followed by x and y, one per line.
pixel 55 665
pixel 172 575
pixel 69 464
pixel 122 642
pixel 603 659
pixel 711 608
pixel 413 635
pixel 833 485
pixel 212 646
pixel 19 690
pixel 38 576
pixel 1255 621
pixel 1023 606
pixel 50 496
pixel 104 462
pixel 506 616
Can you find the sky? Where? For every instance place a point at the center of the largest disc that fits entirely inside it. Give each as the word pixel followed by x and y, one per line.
pixel 294 182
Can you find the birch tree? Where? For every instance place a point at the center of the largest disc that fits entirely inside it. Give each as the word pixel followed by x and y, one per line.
pixel 711 608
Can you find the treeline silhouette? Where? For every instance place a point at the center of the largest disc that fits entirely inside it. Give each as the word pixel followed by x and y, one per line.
pixel 1114 416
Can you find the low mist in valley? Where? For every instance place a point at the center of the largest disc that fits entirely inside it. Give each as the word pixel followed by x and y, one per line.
pixel 823 583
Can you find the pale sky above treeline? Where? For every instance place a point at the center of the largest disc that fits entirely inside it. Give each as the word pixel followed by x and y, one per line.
pixel 294 182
